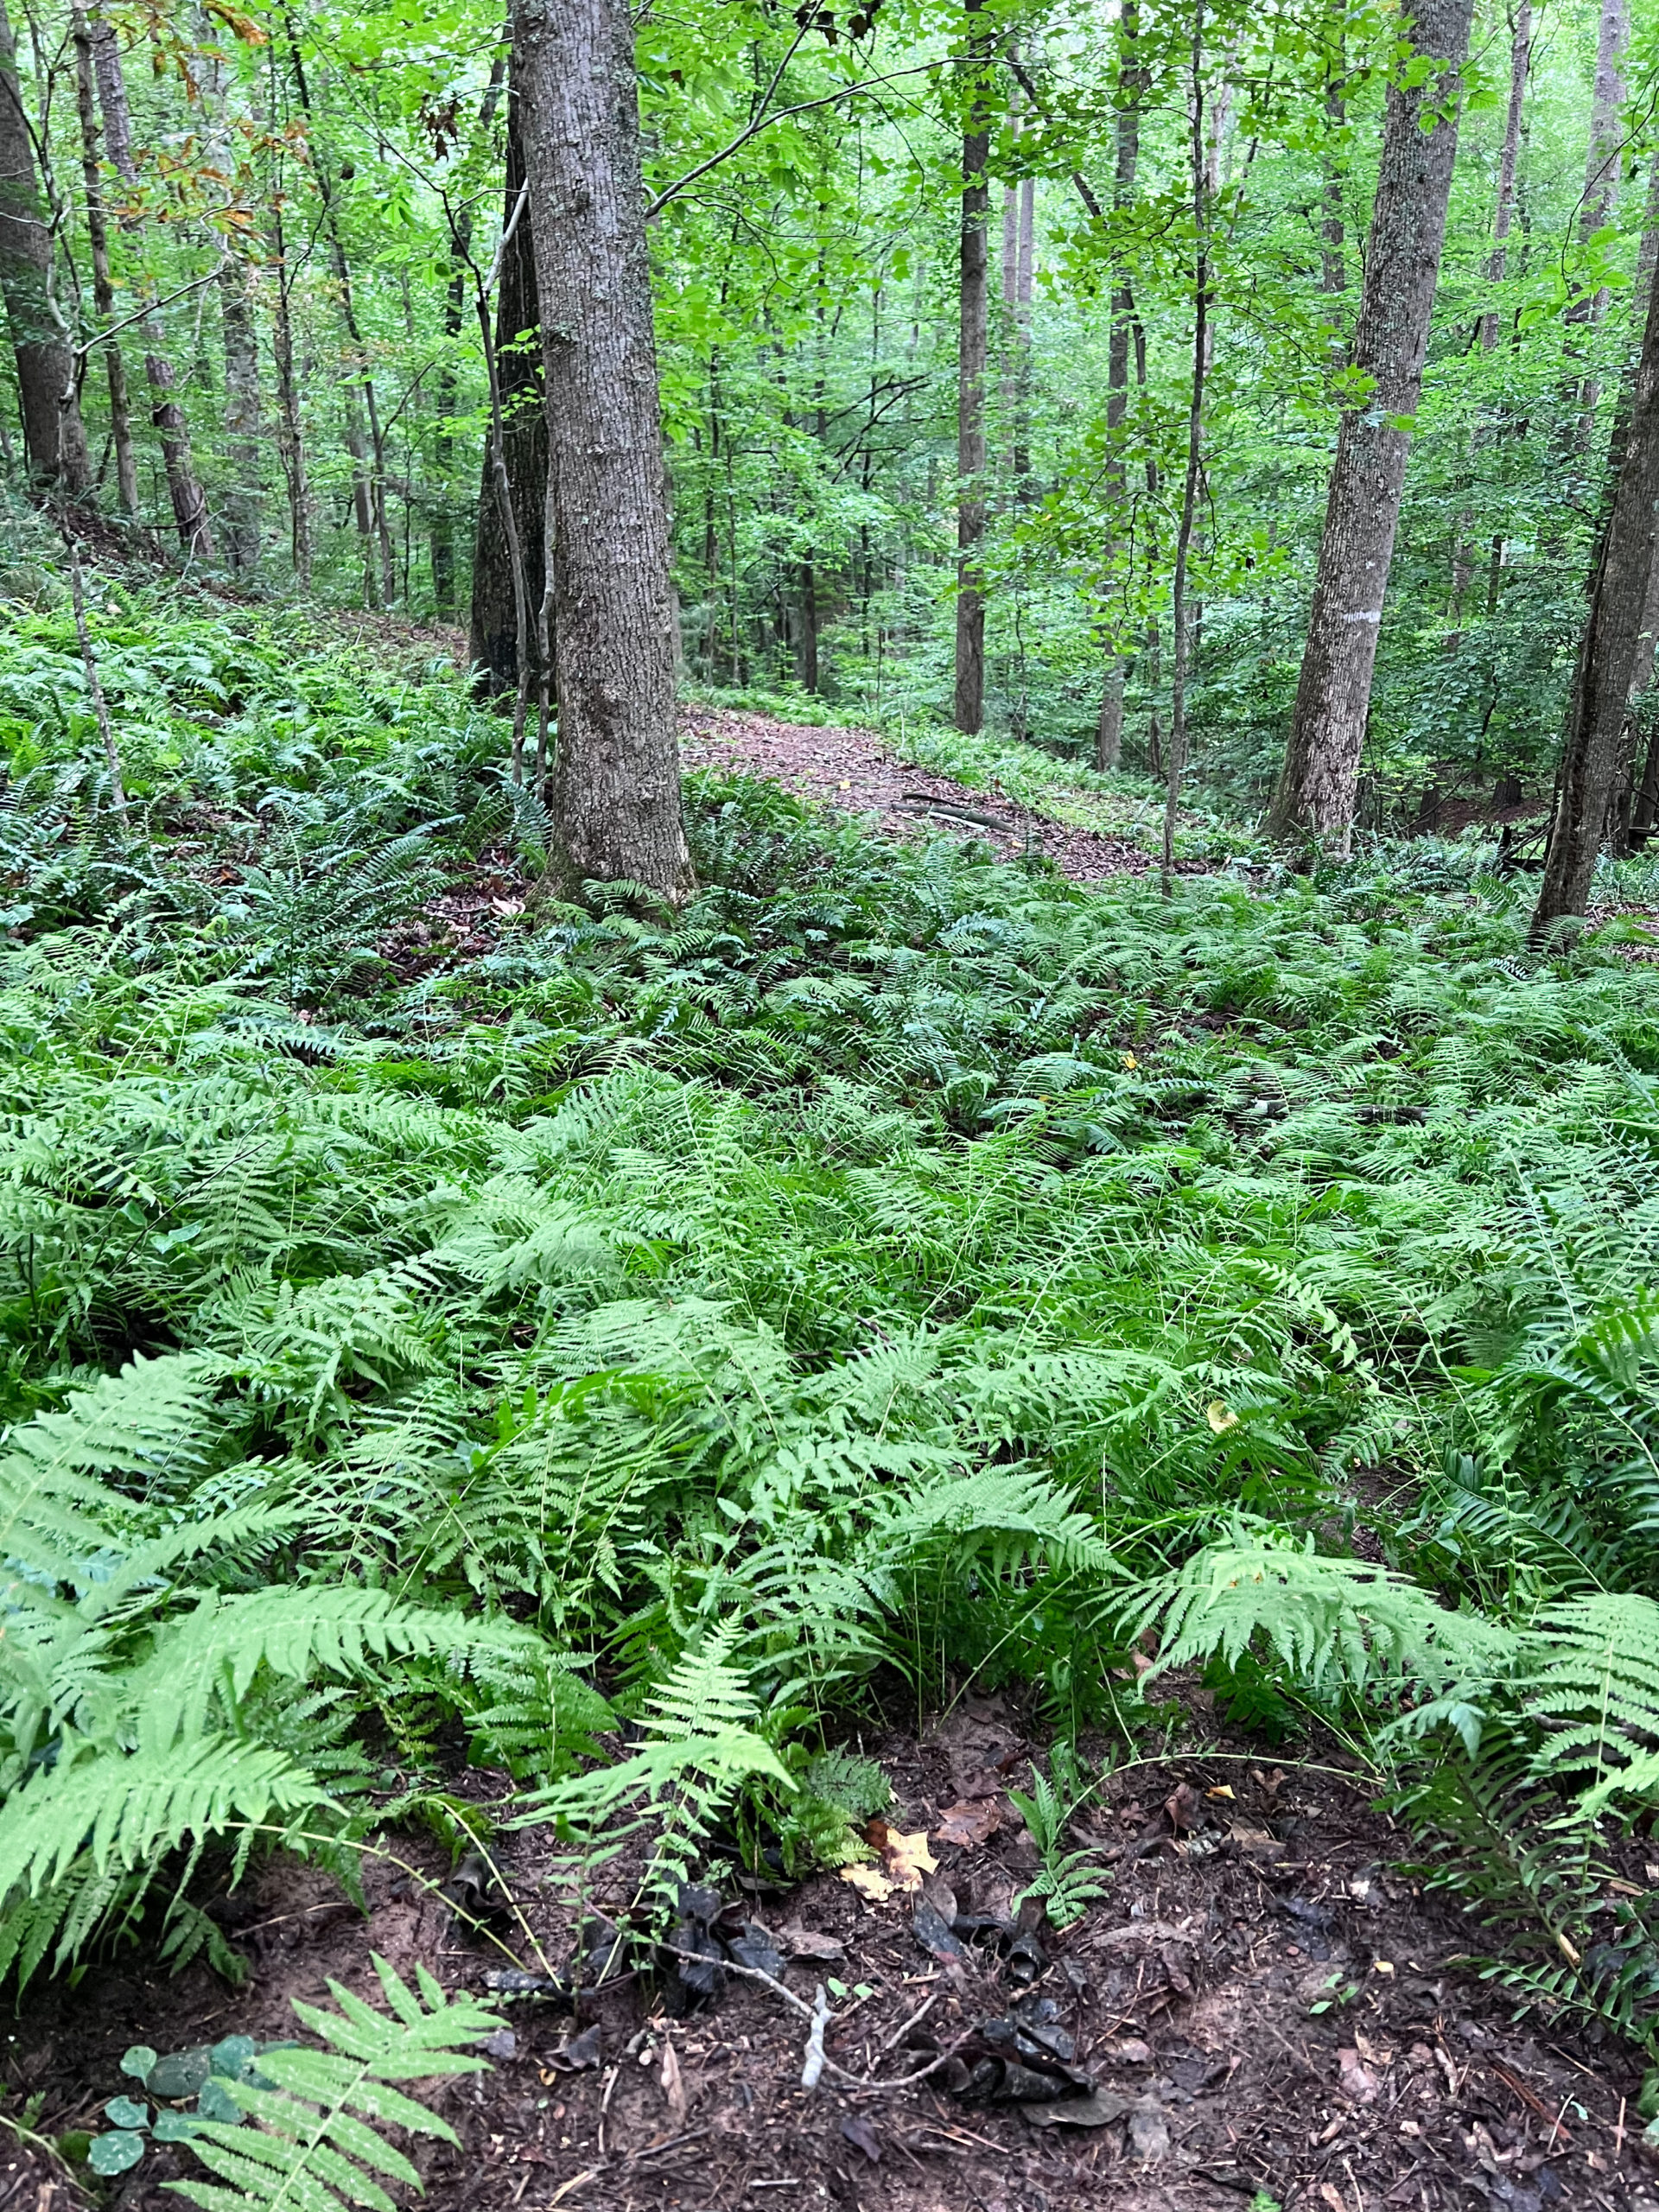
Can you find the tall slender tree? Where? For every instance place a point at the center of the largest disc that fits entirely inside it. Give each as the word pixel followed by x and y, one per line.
pixel 1508 161
pixel 1601 174
pixel 615 784
pixel 97 241
pixel 1320 779
pixel 166 414
pixel 55 441
pixel 1609 657
pixel 493 629
pixel 1132 86
pixel 972 351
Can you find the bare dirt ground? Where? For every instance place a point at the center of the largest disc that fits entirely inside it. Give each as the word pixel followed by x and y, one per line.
pixel 1264 1999
pixel 852 771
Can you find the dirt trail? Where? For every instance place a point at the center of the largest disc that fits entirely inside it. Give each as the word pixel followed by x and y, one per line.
pixel 852 771
pixel 1263 1999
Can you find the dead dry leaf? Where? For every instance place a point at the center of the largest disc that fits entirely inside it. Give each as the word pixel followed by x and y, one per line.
pixel 673 2086
pixel 906 1859
pixel 1358 2080
pixel 870 1882
pixel 974 1822
pixel 809 1943
pixel 1183 1809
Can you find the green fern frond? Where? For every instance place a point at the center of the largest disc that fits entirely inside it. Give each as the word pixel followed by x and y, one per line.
pixel 315 2141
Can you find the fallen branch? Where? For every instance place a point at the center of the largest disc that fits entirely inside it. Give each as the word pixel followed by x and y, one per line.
pixel 811 2015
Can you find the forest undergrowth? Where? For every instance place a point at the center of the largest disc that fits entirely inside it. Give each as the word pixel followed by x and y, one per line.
pixel 609 1355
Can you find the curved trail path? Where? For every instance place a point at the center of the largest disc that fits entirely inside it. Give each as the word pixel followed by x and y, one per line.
pixel 852 771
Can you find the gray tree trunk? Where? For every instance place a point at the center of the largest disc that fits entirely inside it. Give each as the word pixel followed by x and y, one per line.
pixel 1333 259
pixel 971 353
pixel 167 416
pixel 1588 776
pixel 243 430
pixel 1132 91
pixel 1503 214
pixel 290 431
pixel 1320 776
pixel 98 239
pixel 1601 177
pixel 615 785
pixel 493 630
pixel 243 441
pixel 54 443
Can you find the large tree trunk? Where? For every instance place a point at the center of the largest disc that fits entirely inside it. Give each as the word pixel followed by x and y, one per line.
pixel 970 410
pixel 1608 657
pixel 1132 82
pixel 615 798
pixel 184 487
pixel 1318 783
pixel 54 441
pixel 98 239
pixel 493 631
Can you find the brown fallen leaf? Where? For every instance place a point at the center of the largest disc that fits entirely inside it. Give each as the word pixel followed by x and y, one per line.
pixel 863 2137
pixel 1099 2109
pixel 976 1821
pixel 1183 1809
pixel 1221 1789
pixel 800 1942
pixel 870 1882
pixel 673 2086
pixel 1358 2080
pixel 1254 1843
pixel 905 1858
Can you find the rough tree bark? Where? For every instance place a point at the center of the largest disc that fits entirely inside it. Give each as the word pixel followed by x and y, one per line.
pixel 55 441
pixel 1587 778
pixel 971 352
pixel 615 783
pixel 98 239
pixel 493 630
pixel 1132 90
pixel 184 487
pixel 1318 783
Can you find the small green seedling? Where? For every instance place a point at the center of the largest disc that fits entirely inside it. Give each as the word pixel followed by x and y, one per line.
pixel 1337 1993
pixel 201 2072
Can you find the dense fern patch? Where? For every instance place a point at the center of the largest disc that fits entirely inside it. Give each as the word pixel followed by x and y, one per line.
pixel 895 1262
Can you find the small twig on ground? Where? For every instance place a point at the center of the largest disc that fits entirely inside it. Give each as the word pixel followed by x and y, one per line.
pixel 809 2014
pixel 812 2071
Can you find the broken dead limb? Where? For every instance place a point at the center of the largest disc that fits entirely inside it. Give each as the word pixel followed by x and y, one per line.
pixel 819 2018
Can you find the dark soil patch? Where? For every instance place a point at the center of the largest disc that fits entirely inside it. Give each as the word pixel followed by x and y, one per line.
pixel 851 771
pixel 1185 1994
